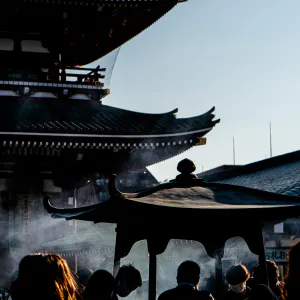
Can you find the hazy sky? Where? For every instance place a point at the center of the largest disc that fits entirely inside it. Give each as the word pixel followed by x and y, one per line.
pixel 243 57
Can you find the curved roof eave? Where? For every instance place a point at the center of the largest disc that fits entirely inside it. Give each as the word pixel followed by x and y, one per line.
pixel 90 119
pixel 182 207
pixel 186 193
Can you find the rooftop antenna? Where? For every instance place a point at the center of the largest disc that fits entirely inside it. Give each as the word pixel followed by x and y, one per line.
pixel 270 139
pixel 233 148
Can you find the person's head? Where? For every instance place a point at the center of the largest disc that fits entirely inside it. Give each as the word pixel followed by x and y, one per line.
pixel 84 275
pixel 188 271
pixel 44 275
pixel 273 272
pixel 128 280
pixel 236 277
pixel 292 277
pixel 294 262
pixel 262 292
pixel 100 283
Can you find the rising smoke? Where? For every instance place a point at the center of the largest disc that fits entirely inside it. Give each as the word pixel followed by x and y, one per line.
pixel 41 231
pixel 236 251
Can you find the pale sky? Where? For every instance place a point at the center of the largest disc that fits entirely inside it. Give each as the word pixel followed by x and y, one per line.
pixel 243 57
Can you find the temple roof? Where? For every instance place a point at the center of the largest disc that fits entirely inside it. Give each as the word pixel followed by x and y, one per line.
pixel 195 195
pixel 276 174
pixel 88 118
pixel 82 31
pixel 185 205
pixel 75 141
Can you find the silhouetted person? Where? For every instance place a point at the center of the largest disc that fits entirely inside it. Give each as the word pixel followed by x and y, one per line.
pixel 261 292
pixel 292 278
pixel 236 277
pixel 273 275
pixel 84 276
pixel 188 278
pixel 44 276
pixel 102 285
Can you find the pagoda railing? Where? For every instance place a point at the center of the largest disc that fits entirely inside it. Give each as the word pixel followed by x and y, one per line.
pixel 56 81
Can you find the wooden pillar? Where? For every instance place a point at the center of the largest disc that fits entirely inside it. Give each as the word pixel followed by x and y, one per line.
pixel 117 257
pixel 63 75
pixel 262 257
pixel 75 231
pixel 152 276
pixel 219 275
pixel 152 250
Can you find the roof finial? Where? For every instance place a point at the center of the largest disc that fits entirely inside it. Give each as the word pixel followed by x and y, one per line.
pixel 113 191
pixel 186 167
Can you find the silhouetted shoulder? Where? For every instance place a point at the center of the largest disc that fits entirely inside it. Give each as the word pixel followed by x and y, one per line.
pixel 205 295
pixel 181 293
pixel 169 294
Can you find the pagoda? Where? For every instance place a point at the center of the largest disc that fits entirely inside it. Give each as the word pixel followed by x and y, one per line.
pixel 52 119
pixel 56 135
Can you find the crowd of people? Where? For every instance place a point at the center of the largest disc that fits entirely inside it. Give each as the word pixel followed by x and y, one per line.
pixel 243 286
pixel 47 276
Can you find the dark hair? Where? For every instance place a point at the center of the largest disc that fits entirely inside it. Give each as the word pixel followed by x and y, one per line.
pixel 100 285
pixel 188 271
pixel 44 275
pixel 131 275
pixel 237 274
pixel 84 275
pixel 294 262
pixel 292 278
pixel 273 271
pixel 273 276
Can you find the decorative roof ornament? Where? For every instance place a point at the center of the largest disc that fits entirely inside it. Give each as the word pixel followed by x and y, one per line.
pixel 112 190
pixel 186 167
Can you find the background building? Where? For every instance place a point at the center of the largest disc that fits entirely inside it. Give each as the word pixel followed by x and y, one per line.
pixel 277 174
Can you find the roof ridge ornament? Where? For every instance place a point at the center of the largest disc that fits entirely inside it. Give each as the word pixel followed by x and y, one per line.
pixel 173 112
pixel 186 167
pixel 47 204
pixel 112 189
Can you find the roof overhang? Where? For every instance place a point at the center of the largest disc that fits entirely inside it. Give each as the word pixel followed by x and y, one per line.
pixel 188 208
pixel 82 31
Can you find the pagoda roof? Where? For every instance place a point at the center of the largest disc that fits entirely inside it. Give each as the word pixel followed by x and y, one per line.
pixel 83 118
pixel 75 141
pixel 82 31
pixel 187 208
